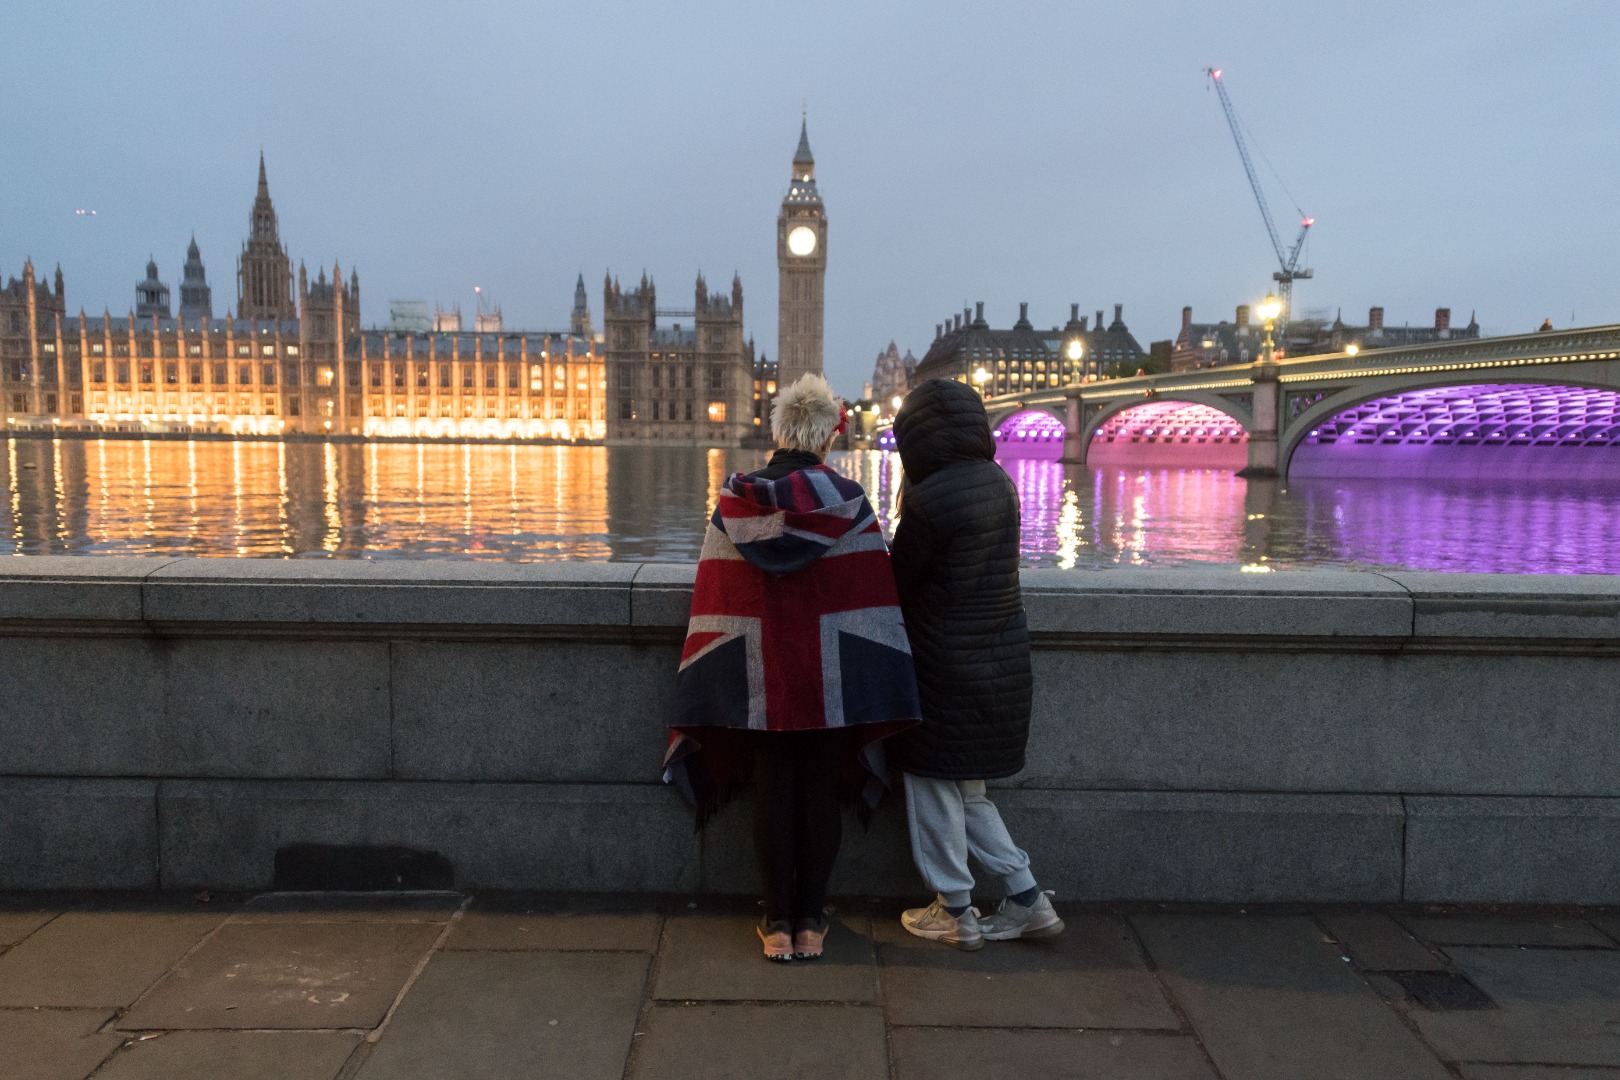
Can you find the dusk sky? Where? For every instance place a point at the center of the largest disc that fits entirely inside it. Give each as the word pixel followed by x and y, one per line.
pixel 1459 154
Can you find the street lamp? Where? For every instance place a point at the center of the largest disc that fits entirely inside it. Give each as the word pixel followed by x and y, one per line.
pixel 1074 352
pixel 981 377
pixel 1270 308
pixel 896 401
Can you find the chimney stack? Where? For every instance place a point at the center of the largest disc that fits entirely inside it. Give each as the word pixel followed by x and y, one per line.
pixel 1119 314
pixel 1243 316
pixel 1186 320
pixel 939 331
pixel 1074 312
pixel 1023 312
pixel 1375 318
pixel 1442 318
pixel 978 312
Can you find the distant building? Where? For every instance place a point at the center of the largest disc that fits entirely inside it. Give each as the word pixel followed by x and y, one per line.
pixel 801 262
pixel 447 321
pixel 579 320
pixel 488 322
pixel 309 369
pixel 196 297
pixel 409 316
pixel 264 271
pixel 677 377
pixel 766 374
pixel 1023 358
pixel 151 295
pixel 1204 345
pixel 892 377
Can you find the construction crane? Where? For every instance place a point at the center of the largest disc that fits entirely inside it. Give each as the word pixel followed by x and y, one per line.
pixel 1287 258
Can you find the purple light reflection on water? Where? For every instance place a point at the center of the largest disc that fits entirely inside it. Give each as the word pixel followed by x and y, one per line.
pixel 1032 434
pixel 1098 517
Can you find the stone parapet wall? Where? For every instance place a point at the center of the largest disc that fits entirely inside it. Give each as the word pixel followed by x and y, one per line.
pixel 1199 734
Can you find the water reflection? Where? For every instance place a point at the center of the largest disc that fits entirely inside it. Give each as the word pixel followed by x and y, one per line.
pixel 546 502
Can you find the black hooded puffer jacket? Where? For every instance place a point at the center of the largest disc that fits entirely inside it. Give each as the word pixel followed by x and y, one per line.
pixel 955 559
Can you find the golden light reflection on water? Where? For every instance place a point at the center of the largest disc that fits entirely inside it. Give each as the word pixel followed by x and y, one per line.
pixel 391 500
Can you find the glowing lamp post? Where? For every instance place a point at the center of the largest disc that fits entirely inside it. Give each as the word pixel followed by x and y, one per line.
pixel 1074 351
pixel 980 377
pixel 895 402
pixel 1270 308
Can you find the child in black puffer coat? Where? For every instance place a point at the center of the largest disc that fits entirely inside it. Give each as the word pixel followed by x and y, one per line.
pixel 955 558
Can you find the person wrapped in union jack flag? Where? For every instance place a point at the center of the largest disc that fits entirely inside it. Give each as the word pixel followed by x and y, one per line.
pixel 795 666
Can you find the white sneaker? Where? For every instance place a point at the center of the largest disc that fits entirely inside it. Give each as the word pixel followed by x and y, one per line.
pixel 936 924
pixel 1014 920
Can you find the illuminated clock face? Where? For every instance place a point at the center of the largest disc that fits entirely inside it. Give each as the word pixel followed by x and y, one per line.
pixel 802 241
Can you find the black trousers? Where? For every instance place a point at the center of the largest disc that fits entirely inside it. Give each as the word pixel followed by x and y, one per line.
pixel 797 824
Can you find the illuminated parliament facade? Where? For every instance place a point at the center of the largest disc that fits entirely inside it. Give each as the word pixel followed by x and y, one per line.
pixel 292 359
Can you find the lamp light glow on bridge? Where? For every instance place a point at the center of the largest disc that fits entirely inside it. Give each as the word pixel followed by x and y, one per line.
pixel 1076 350
pixel 1270 308
pixel 1352 349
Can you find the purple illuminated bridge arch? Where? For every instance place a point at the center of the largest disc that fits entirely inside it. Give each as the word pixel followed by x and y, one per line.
pixel 1031 434
pixel 1170 433
pixel 1512 431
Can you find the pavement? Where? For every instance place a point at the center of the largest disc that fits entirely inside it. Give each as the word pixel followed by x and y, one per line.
pixel 302 986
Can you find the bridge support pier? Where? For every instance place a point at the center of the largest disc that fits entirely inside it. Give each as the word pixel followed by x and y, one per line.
pixel 1263 434
pixel 1074 452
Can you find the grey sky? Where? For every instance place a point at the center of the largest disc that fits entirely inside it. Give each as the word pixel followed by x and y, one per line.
pixel 1456 153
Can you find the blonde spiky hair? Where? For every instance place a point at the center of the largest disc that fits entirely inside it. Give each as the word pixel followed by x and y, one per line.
pixel 804 415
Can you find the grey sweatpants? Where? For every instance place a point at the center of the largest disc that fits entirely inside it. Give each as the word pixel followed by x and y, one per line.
pixel 951 818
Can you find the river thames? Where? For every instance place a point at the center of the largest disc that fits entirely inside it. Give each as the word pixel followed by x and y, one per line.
pixel 519 502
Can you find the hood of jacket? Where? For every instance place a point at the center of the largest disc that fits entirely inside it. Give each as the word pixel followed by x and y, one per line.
pixel 785 524
pixel 941 423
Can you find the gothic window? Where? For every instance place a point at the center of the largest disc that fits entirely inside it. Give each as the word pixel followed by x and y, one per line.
pixel 489 376
pixel 98 372
pixel 421 376
pixel 514 377
pixel 268 374
pixel 244 374
pixel 467 376
pixel 146 373
pixel 219 375
pixel 196 374
pixel 444 376
pixel 657 378
pixel 717 377
pixel 688 410
pixel 291 374
pixel 399 376
pixel 689 377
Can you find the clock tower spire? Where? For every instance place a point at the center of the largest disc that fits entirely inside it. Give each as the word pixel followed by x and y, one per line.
pixel 801 261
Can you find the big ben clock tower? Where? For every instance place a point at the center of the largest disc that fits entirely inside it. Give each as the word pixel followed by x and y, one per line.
pixel 801 260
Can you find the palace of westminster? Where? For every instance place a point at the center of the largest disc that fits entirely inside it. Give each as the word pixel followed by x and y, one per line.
pixel 294 360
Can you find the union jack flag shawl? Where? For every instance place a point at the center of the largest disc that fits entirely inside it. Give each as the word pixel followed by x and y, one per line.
pixel 795 626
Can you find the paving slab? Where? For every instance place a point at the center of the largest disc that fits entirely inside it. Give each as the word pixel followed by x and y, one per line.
pixel 1531 930
pixel 350 907
pixel 53 1044
pixel 761 1042
pixel 1376 942
pixel 1536 1072
pixel 87 958
pixel 1091 975
pixel 1558 1007
pixel 513 1016
pixel 1271 1000
pixel 990 1054
pixel 717 958
pixel 236 1055
pixel 309 975
pixel 16 925
pixel 525 923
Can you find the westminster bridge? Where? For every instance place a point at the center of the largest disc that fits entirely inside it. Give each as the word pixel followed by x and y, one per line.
pixel 1529 406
